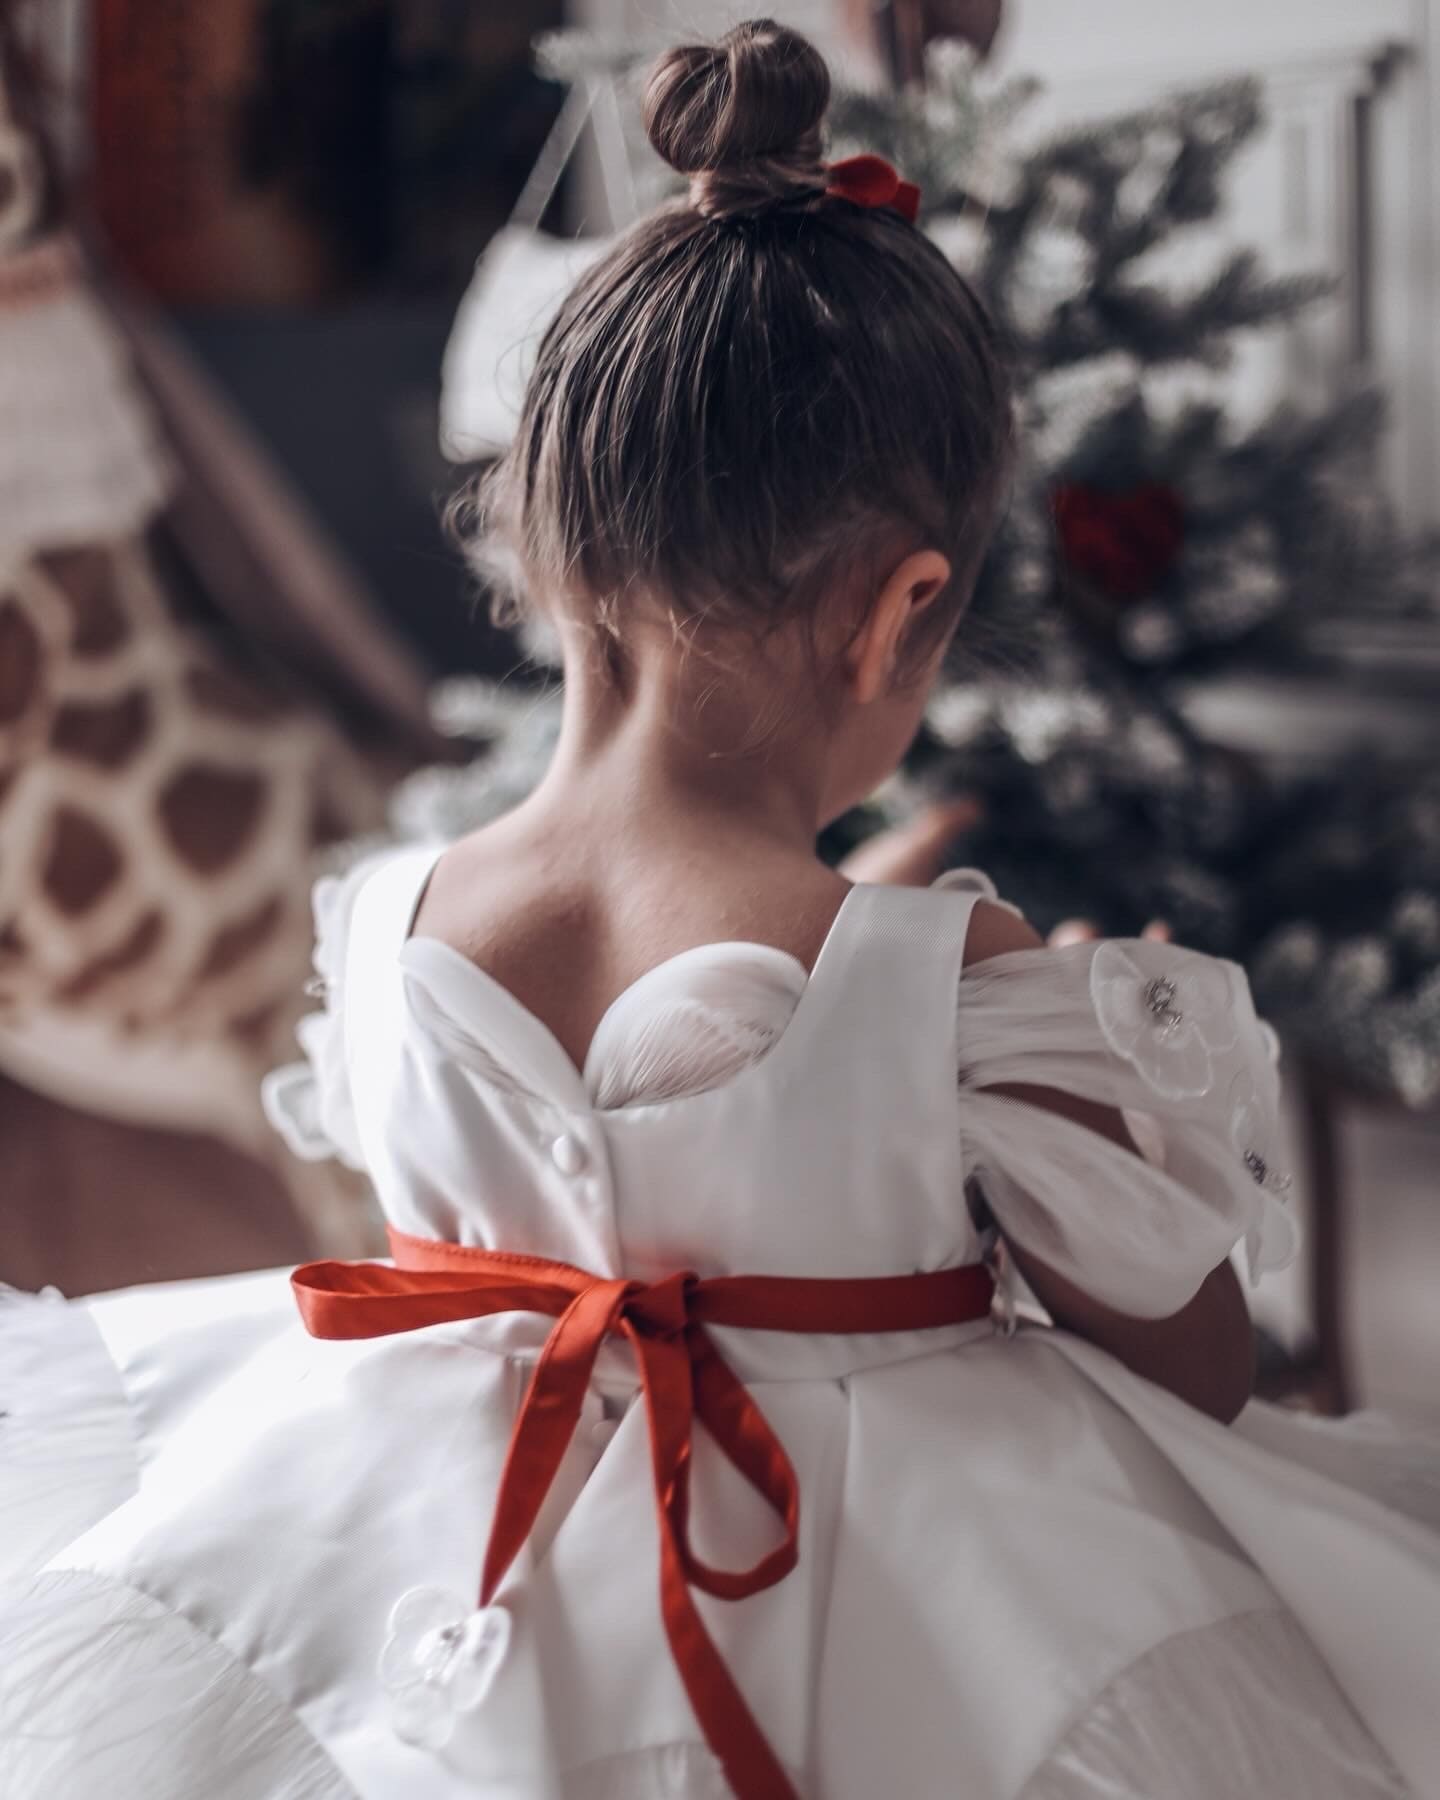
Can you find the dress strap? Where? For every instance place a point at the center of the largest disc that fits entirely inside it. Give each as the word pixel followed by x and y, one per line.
pixel 894 958
pixel 388 891
pixel 683 1376
pixel 389 898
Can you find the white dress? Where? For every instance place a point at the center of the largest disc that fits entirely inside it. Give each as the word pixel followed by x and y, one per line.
pixel 1024 1574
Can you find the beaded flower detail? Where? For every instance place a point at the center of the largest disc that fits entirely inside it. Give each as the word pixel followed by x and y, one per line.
pixel 440 1659
pixel 1173 1016
pixel 1254 1132
pixel 1168 1014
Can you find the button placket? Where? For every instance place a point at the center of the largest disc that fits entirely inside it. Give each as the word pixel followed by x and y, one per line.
pixel 573 1142
pixel 569 1154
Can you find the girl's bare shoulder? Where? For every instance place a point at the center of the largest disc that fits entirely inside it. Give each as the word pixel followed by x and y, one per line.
pixel 996 930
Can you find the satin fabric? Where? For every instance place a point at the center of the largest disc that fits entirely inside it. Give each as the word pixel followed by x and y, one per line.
pixel 684 1382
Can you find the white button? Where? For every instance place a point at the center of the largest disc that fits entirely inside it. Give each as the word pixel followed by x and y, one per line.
pixel 602 1431
pixel 569 1154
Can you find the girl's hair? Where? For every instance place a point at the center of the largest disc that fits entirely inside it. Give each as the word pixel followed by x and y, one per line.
pixel 760 391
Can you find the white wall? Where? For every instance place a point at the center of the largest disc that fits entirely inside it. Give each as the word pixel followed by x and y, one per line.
pixel 703 18
pixel 1119 41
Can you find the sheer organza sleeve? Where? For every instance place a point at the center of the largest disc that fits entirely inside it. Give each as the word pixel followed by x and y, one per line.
pixel 1170 1038
pixel 309 1102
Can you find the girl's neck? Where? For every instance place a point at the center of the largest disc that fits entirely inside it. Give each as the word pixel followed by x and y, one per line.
pixel 666 820
pixel 683 742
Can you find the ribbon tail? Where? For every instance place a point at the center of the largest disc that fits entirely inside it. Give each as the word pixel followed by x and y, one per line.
pixel 751 1767
pixel 546 1423
pixel 728 1411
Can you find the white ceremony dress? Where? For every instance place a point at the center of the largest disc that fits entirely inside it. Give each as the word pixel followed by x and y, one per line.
pixel 1024 1573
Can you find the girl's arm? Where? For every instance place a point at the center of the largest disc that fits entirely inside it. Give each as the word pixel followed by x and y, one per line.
pixel 1205 1352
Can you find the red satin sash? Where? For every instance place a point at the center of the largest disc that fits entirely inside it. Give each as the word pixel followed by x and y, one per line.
pixel 683 1377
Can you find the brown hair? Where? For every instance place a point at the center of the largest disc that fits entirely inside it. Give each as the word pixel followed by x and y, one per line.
pixel 759 391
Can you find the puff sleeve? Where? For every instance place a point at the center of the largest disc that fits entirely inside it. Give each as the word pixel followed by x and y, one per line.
pixel 1168 1036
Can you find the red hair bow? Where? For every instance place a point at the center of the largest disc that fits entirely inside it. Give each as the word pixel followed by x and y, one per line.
pixel 871 181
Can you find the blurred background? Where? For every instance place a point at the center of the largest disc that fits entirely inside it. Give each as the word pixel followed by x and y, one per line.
pixel 269 270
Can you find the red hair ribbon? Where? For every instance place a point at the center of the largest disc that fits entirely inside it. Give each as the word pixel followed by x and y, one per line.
pixel 871 181
pixel 684 1379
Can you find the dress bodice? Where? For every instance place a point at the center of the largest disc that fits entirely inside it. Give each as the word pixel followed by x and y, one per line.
pixel 740 1114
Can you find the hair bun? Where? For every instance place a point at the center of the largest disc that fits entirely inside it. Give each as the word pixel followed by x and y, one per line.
pixel 741 117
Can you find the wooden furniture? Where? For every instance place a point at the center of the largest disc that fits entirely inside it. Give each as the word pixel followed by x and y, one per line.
pixel 1323 1378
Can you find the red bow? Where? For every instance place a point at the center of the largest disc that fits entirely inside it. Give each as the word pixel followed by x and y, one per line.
pixel 683 1377
pixel 871 181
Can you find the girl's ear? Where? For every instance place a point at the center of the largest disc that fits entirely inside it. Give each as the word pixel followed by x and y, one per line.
pixel 874 653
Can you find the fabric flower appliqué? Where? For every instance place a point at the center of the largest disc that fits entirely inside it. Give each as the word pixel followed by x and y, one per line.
pixel 440 1659
pixel 1254 1131
pixel 1168 1014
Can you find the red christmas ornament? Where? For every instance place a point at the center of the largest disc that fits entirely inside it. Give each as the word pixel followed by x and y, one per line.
pixel 1124 543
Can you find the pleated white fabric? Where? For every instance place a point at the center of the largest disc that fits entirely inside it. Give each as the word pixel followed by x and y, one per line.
pixel 67 1439
pixel 1025 1574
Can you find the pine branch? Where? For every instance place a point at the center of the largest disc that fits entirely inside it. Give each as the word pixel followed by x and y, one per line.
pixel 1157 326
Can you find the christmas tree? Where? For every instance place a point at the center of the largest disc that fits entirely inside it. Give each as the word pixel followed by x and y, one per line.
pixel 1155 542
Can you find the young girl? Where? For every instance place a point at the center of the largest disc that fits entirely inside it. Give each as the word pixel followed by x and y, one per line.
pixel 678 1453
